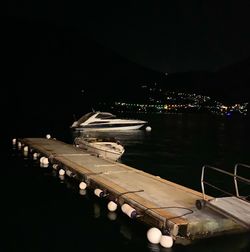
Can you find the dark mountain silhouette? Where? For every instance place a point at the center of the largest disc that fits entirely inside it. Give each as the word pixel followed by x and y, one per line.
pixel 229 84
pixel 236 79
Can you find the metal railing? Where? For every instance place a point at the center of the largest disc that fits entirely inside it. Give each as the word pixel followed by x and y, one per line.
pixel 234 175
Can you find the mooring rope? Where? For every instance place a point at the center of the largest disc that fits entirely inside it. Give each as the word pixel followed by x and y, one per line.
pixel 135 191
pixel 190 211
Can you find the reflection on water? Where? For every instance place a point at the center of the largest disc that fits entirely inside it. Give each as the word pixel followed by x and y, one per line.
pixel 97 210
pixel 155 247
pixel 82 192
pixel 126 231
pixel 112 216
pixel 125 137
pixel 228 243
pixel 61 177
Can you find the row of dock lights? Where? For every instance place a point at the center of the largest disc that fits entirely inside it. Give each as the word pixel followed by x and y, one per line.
pixel 154 235
pixel 16 143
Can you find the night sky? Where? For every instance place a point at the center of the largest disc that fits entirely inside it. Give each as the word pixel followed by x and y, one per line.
pixel 109 48
pixel 168 36
pixel 174 36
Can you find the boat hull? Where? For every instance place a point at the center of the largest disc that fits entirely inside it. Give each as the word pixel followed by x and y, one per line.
pixel 104 121
pixel 109 128
pixel 102 153
pixel 106 150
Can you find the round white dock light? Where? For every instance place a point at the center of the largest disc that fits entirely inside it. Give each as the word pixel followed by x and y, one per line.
pixel 19 145
pixel 132 213
pixel 154 235
pixel 48 136
pixel 166 241
pixel 82 185
pixel 41 159
pixel 45 161
pixel 14 141
pixel 35 155
pixel 128 210
pixel 98 192
pixel 148 128
pixel 69 173
pixel 55 166
pixel 25 148
pixel 125 207
pixel 112 206
pixel 61 172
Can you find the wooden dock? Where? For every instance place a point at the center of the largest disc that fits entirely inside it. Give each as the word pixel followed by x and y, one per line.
pixel 158 203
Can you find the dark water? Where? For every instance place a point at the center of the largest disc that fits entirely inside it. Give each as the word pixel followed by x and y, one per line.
pixel 41 212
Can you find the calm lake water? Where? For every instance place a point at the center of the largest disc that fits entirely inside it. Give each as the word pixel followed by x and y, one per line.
pixel 44 213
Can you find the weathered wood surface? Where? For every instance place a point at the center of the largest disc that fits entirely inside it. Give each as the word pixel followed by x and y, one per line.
pixel 234 208
pixel 159 202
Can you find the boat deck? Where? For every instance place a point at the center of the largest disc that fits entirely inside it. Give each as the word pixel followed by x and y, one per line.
pixel 158 202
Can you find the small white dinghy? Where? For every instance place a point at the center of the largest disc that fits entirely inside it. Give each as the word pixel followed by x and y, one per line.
pixel 105 148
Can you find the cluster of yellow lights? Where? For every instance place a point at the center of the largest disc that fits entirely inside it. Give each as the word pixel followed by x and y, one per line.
pixel 221 107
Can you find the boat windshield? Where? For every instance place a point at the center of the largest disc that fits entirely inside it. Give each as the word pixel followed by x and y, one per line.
pixel 105 115
pixel 85 117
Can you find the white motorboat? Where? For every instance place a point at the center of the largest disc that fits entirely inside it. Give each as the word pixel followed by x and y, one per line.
pixel 106 121
pixel 105 148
